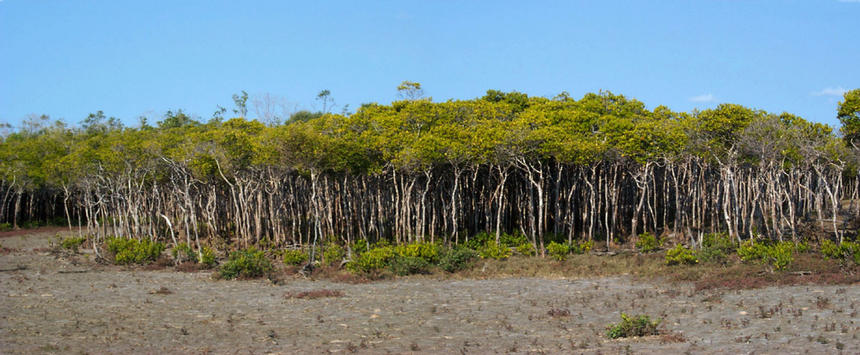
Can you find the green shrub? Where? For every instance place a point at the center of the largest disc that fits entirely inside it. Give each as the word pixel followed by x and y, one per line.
pixel 648 243
pixel 460 258
pixel 249 263
pixel 427 251
pixel 680 255
pixel 513 240
pixel 294 257
pixel 183 252
pixel 479 240
pixel 5 226
pixel 582 247
pixel 492 250
pixel 778 255
pixel 133 251
pixel 526 249
pixel 716 247
pixel 558 251
pixel 208 257
pixel 358 246
pixel 333 253
pixel 372 260
pixel 72 243
pixel 402 265
pixel 637 326
pixel 841 251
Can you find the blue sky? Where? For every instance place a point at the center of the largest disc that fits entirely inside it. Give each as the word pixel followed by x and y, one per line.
pixel 133 58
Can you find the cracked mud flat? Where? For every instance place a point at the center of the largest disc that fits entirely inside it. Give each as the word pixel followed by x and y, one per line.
pixel 49 304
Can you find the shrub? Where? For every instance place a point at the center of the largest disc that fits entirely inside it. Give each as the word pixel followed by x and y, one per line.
pixel 457 259
pixel 493 250
pixel 208 257
pixel 479 240
pixel 294 257
pixel 513 240
pixel 526 249
pixel 558 251
pixel 5 226
pixel 333 253
pixel 358 246
pixel 778 255
pixel 582 247
pixel 648 243
pixel 183 252
pixel 249 263
pixel 72 243
pixel 429 252
pixel 133 251
pixel 680 255
pixel 372 260
pixel 841 251
pixel 716 247
pixel 402 265
pixel 637 326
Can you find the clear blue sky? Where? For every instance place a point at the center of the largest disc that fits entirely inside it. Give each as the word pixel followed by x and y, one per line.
pixel 133 58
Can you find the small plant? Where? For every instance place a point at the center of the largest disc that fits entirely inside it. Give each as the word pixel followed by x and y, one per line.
pixel 5 226
pixel 493 250
pixel 526 249
pixel 680 255
pixel 72 243
pixel 407 265
pixel 249 263
pixel 333 253
pixel 133 251
pixel 183 252
pixel 648 242
pixel 457 259
pixel 582 247
pixel 478 241
pixel 294 257
pixel 429 252
pixel 314 294
pixel 716 247
pixel 842 251
pixel 778 255
pixel 208 257
pixel 558 251
pixel 636 326
pixel 372 260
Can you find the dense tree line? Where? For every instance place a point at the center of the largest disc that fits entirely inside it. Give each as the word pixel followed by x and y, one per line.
pixel 601 168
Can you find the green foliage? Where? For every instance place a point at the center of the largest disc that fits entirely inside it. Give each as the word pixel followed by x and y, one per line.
pixel 779 255
pixel 583 247
pixel 403 265
pixel 333 253
pixel 359 246
pixel 208 257
pixel 513 240
pixel 5 226
pixel 372 260
pixel 635 326
pixel 429 252
pixel 133 251
pixel 849 115
pixel 456 259
pixel 846 250
pixel 477 241
pixel 526 249
pixel 716 247
pixel 648 243
pixel 680 255
pixel 558 251
pixel 493 250
pixel 294 257
pixel 248 263
pixel 183 253
pixel 72 243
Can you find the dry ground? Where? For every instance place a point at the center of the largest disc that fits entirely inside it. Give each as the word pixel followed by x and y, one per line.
pixel 55 304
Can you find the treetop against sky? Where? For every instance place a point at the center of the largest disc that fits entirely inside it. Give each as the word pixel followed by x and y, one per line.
pixel 133 59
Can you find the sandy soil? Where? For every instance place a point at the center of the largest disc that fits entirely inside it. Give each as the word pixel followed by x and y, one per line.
pixel 52 304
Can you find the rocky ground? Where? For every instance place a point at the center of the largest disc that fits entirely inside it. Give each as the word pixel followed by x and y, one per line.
pixel 51 303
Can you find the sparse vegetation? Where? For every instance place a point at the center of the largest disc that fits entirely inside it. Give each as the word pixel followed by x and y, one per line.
pixel 648 242
pixel 636 326
pixel 72 244
pixel 294 257
pixel 680 255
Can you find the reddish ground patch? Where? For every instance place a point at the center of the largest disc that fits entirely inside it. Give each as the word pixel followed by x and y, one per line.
pixel 15 233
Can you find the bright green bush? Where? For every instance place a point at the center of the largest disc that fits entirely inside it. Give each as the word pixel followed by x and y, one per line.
pixel 558 251
pixel 460 258
pixel 72 244
pixel 636 326
pixel 333 253
pixel 372 260
pixel 478 241
pixel 402 265
pixel 429 252
pixel 716 247
pixel 513 240
pixel 526 249
pixel 208 257
pixel 648 243
pixel 294 257
pixel 249 263
pixel 778 255
pixel 582 247
pixel 133 251
pixel 845 250
pixel 680 255
pixel 358 246
pixel 493 250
